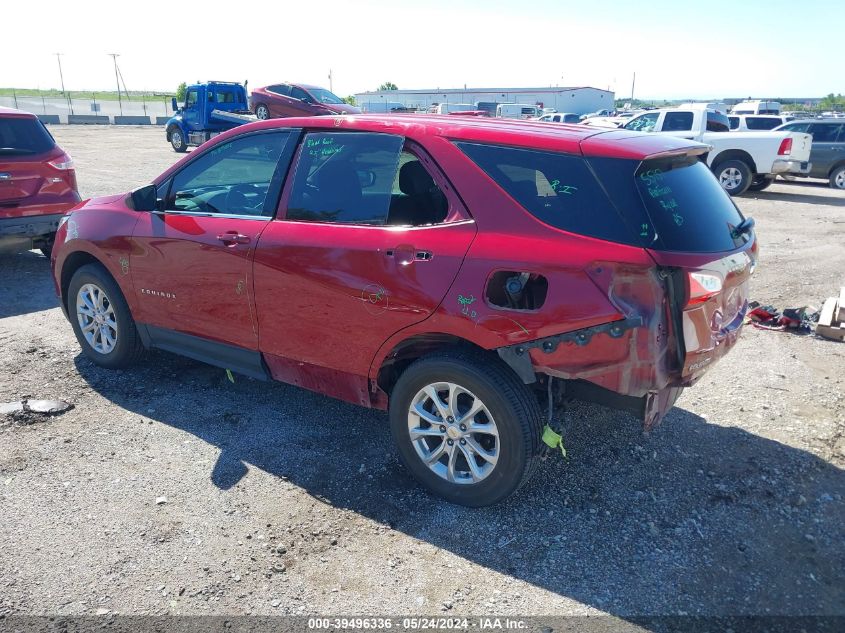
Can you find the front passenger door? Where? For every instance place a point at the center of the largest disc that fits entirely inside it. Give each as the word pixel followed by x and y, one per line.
pixel 191 259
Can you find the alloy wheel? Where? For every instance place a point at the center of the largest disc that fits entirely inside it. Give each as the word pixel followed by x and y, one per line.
pixel 453 433
pixel 96 317
pixel 730 178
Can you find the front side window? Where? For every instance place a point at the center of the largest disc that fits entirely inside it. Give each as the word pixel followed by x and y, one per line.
pixel 324 96
pixel 643 123
pixel 191 99
pixel 299 93
pixel 232 178
pixel 345 177
pixel 677 122
pixel 824 132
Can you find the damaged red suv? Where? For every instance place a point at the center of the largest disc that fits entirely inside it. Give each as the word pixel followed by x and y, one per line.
pixel 37 183
pixel 459 273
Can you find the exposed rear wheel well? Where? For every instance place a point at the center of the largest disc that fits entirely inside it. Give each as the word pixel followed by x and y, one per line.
pixel 416 347
pixel 836 166
pixel 74 262
pixel 735 154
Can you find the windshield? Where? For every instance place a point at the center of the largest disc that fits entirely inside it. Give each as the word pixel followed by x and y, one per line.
pixel 324 96
pixel 20 136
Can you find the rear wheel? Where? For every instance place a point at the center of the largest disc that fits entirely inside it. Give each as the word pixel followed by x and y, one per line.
pixel 734 176
pixel 466 427
pixel 759 183
pixel 837 177
pixel 177 140
pixel 46 246
pixel 262 112
pixel 101 319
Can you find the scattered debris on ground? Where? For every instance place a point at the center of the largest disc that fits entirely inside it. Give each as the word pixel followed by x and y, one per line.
pixel 832 318
pixel 31 411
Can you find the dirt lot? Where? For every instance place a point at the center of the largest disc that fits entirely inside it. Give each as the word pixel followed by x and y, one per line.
pixel 168 489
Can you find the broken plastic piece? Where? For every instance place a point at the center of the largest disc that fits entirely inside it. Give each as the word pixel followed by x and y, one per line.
pixel 553 439
pixel 230 376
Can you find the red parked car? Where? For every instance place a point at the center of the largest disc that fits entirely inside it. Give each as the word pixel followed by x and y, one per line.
pixel 286 100
pixel 37 183
pixel 464 274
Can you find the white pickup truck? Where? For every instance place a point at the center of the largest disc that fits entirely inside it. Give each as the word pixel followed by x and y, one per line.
pixel 740 160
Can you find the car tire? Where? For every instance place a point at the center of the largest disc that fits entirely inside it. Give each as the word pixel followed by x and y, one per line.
pixel 262 112
pixel 94 297
pixel 177 140
pixel 734 176
pixel 759 183
pixel 837 177
pixel 503 439
pixel 46 247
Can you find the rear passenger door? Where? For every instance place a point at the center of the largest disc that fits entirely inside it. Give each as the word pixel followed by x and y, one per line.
pixel 828 142
pixel 361 248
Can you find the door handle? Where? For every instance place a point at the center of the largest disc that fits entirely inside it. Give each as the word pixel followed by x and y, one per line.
pixel 230 238
pixel 405 254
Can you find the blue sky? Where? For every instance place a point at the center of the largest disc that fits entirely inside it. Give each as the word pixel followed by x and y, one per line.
pixel 678 49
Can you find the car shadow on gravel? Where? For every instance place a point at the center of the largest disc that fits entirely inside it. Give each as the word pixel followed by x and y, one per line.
pixel 25 284
pixel 694 518
pixel 803 198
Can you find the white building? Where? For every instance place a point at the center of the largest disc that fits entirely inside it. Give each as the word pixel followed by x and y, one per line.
pixel 582 100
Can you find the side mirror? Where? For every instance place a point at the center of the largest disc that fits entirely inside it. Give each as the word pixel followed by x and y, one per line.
pixel 144 198
pixel 174 105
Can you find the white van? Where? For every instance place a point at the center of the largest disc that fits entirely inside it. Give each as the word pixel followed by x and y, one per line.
pixel 756 107
pixel 517 111
pixel 446 108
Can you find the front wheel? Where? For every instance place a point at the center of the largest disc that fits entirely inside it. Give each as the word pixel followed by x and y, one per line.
pixel 262 113
pixel 837 177
pixel 466 427
pixel 734 176
pixel 177 140
pixel 101 319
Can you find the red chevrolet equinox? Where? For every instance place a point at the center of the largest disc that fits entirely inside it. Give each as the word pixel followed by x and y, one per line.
pixel 464 274
pixel 37 183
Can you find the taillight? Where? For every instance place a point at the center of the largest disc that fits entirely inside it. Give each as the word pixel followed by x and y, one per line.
pixel 63 162
pixel 703 286
pixel 785 148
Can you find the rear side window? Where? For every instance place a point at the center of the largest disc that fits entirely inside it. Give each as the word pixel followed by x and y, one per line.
pixel 677 122
pixel 734 122
pixel 718 122
pixel 345 177
pixel 558 189
pixel 761 123
pixel 22 136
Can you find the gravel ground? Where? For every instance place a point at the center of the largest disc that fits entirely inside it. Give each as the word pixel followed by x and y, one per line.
pixel 169 490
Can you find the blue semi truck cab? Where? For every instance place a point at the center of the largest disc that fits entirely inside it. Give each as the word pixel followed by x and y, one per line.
pixel 209 109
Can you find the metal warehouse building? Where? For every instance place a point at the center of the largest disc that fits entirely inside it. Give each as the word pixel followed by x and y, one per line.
pixel 580 100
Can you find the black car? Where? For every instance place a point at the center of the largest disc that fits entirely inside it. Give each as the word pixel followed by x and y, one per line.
pixel 828 151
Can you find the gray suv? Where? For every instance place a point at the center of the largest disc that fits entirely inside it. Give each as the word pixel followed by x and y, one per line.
pixel 828 151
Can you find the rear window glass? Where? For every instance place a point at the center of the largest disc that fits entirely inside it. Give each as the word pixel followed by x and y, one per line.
pixel 688 209
pixel 678 203
pixel 677 122
pixel 21 136
pixel 559 189
pixel 761 123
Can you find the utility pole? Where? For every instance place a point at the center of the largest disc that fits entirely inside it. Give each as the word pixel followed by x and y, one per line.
pixel 114 57
pixel 62 79
pixel 633 83
pixel 330 81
